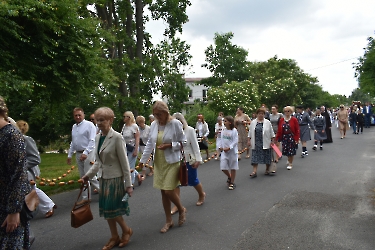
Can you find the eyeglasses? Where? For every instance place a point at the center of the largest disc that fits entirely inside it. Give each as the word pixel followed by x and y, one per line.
pixel 286 111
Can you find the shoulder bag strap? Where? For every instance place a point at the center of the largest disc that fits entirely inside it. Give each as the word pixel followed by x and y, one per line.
pixel 82 188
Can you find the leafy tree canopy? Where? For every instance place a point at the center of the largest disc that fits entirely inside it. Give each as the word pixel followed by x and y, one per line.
pixel 226 61
pixel 365 68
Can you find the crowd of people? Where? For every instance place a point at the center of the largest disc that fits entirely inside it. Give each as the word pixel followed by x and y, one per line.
pixel 107 159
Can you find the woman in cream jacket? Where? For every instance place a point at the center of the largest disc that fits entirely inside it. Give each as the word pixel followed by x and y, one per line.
pixel 260 137
pixel 165 136
pixel 113 170
pixel 193 159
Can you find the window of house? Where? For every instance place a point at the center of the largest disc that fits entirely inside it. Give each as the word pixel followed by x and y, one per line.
pixel 204 93
pixel 190 93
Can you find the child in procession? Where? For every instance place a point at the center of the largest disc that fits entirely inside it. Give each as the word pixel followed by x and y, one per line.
pixel 228 146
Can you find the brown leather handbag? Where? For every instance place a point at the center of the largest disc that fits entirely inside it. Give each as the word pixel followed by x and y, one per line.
pixel 183 174
pixel 81 214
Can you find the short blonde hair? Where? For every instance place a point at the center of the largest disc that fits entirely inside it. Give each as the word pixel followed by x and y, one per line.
pixel 140 118
pixel 23 126
pixel 288 108
pixel 106 112
pixel 131 115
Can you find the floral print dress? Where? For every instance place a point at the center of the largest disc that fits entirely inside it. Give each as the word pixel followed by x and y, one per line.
pixel 13 186
pixel 289 145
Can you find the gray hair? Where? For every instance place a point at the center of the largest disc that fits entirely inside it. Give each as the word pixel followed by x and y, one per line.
pixel 181 118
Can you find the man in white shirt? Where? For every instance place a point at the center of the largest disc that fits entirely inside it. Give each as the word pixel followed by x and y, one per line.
pixel 83 143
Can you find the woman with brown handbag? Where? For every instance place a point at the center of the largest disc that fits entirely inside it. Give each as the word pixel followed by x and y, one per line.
pixel 165 136
pixel 113 169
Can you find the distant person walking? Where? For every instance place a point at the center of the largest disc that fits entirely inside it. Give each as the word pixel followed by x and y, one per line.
pixel 342 116
pixel 288 134
pixel 229 151
pixel 83 143
pixel 367 111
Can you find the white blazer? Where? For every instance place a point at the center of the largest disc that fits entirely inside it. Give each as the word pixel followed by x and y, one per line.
pixel 173 133
pixel 191 147
pixel 268 133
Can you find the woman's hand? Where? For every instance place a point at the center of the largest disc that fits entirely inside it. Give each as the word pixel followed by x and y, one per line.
pixel 135 152
pixel 129 190
pixel 11 222
pixel 164 146
pixel 85 179
pixel 196 164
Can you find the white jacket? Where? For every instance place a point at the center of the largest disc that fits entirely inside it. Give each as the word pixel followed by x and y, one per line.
pixel 191 147
pixel 268 133
pixel 173 133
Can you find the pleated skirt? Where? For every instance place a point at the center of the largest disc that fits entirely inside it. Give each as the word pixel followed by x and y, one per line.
pixel 110 198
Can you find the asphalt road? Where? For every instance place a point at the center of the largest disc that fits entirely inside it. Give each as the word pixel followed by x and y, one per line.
pixel 325 202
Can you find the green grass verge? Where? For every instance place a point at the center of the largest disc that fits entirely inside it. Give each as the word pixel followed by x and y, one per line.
pixel 54 166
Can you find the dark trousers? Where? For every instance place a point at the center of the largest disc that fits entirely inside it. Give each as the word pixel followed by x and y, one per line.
pixel 367 121
pixel 359 126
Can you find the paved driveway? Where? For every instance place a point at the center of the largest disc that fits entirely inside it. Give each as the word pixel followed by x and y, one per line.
pixel 324 202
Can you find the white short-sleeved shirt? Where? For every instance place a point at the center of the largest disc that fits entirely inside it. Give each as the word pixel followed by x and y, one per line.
pixel 128 133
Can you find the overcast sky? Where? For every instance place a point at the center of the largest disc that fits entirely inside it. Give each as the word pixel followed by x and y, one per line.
pixel 324 36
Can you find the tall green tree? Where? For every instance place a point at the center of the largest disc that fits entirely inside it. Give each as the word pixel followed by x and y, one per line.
pixel 175 60
pixel 280 81
pixel 135 60
pixel 365 68
pixel 229 96
pixel 51 59
pixel 226 61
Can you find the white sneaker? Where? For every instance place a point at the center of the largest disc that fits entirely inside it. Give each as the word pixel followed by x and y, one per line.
pixel 289 167
pixel 315 147
pixel 303 155
pixel 306 153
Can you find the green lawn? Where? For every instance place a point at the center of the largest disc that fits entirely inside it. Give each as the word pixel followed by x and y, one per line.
pixel 54 166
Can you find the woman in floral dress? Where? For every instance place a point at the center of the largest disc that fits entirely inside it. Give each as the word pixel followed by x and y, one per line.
pixel 14 186
pixel 288 133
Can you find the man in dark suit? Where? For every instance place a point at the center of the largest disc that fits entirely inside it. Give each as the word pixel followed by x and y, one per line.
pixel 367 112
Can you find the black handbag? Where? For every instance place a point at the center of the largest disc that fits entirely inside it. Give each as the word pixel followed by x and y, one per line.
pixel 129 148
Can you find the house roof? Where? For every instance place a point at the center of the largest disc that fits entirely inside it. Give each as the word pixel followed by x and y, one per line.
pixel 194 79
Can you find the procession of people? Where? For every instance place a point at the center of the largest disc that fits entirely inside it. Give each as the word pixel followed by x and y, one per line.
pixel 108 160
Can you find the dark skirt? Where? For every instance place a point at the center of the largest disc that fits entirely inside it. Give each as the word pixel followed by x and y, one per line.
pixel 329 136
pixel 203 145
pixel 289 145
pixel 305 133
pixel 260 155
pixel 110 198
pixel 320 135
